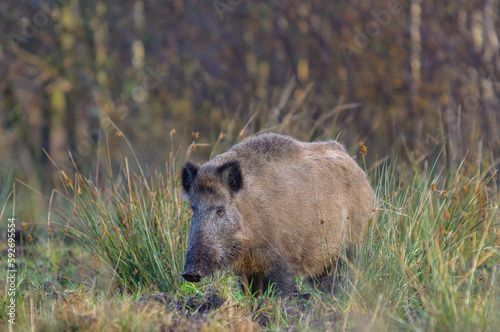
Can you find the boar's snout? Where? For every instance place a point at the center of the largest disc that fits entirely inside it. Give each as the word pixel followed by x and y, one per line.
pixel 190 274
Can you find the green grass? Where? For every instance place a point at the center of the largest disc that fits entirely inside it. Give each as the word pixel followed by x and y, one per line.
pixel 431 258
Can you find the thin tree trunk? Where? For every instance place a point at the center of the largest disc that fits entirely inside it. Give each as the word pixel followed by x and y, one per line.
pixel 415 65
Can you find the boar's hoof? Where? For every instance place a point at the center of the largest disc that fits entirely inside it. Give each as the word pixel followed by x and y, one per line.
pixel 191 276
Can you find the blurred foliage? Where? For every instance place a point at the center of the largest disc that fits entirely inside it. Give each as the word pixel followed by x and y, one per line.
pixel 412 74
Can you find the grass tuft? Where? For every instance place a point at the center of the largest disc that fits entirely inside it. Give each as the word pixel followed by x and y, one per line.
pixel 138 223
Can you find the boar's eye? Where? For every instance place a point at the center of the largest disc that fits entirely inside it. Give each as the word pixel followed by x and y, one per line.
pixel 220 212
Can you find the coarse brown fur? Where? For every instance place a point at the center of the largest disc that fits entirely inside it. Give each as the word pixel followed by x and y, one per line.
pixel 273 207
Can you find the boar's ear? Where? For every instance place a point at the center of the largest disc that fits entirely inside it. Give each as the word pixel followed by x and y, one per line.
pixel 189 172
pixel 230 173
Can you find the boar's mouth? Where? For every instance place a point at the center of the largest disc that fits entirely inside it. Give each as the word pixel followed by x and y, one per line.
pixel 196 269
pixel 191 275
pixel 198 265
pixel 194 273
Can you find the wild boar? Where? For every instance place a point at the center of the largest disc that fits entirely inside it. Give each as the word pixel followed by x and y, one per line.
pixel 271 208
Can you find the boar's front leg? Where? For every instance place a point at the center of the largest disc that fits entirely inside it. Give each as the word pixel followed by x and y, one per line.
pixel 282 278
pixel 252 284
